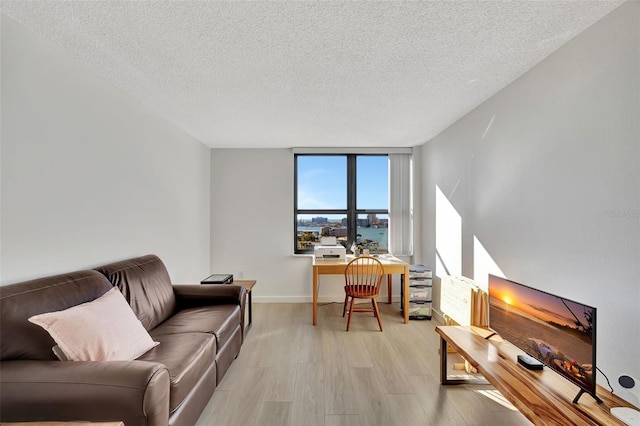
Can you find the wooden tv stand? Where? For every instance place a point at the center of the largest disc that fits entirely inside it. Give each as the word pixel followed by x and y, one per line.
pixel 543 396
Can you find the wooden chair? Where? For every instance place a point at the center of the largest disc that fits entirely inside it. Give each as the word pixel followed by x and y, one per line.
pixel 363 277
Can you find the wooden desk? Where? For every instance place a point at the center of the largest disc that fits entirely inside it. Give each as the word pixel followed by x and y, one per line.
pixel 543 396
pixel 391 266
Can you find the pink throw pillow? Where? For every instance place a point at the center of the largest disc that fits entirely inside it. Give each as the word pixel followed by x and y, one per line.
pixel 105 329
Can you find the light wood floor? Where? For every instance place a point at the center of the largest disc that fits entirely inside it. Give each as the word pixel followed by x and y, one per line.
pixel 292 373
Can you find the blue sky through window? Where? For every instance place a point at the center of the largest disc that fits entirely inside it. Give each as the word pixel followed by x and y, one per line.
pixel 372 182
pixel 322 182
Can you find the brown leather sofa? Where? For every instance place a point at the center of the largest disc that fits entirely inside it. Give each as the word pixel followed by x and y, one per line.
pixel 199 327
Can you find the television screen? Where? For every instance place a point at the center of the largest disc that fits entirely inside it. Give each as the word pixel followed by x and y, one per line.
pixel 558 332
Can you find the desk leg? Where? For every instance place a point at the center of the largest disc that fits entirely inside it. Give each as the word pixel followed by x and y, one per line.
pixel 389 288
pixel 444 378
pixel 443 362
pixel 405 293
pixel 315 296
pixel 246 329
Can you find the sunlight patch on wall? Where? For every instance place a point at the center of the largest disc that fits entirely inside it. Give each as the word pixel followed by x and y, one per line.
pixel 483 265
pixel 448 237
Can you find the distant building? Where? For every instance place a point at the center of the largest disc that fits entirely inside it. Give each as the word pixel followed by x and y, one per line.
pixel 319 220
pixel 363 223
pixel 334 232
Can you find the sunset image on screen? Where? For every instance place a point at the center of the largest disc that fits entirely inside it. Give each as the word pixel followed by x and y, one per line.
pixel 555 330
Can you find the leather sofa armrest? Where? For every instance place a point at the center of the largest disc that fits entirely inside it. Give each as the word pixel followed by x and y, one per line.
pixel 193 295
pixel 135 392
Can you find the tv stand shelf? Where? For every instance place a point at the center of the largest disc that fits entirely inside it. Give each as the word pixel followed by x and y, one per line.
pixel 543 396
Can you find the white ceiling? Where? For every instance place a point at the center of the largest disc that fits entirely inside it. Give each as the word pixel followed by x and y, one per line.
pixel 307 73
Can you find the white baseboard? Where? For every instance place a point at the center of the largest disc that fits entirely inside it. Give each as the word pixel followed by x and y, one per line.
pixel 437 315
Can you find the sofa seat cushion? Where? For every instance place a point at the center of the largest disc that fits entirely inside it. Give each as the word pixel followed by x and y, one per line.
pixel 187 356
pixel 219 320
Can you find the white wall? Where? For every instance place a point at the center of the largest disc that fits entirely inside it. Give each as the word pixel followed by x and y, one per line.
pixel 545 178
pixel 90 175
pixel 252 226
pixel 252 223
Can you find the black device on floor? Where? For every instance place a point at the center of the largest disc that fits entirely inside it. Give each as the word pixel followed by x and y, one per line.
pixel 218 279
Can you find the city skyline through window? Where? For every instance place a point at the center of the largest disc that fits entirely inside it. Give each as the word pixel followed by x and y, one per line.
pixel 345 196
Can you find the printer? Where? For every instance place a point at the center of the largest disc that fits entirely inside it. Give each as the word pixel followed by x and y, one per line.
pixel 326 252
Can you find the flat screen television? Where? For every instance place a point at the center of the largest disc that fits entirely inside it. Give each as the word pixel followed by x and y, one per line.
pixel 558 332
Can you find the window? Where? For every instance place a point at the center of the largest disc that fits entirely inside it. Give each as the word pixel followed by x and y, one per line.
pixel 342 195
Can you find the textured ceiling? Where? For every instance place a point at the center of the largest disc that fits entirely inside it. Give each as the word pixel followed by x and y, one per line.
pixel 306 73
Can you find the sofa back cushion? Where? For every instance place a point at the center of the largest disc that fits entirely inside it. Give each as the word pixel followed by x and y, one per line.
pixel 20 339
pixel 145 283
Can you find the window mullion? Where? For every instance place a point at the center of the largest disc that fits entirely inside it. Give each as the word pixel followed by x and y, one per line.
pixel 352 217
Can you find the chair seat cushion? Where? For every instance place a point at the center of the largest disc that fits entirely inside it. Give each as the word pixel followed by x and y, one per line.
pixel 187 356
pixel 219 320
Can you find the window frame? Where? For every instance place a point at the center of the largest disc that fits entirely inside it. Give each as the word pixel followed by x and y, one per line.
pixel 351 212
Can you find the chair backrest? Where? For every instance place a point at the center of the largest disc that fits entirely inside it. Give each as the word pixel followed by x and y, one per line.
pixel 363 276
